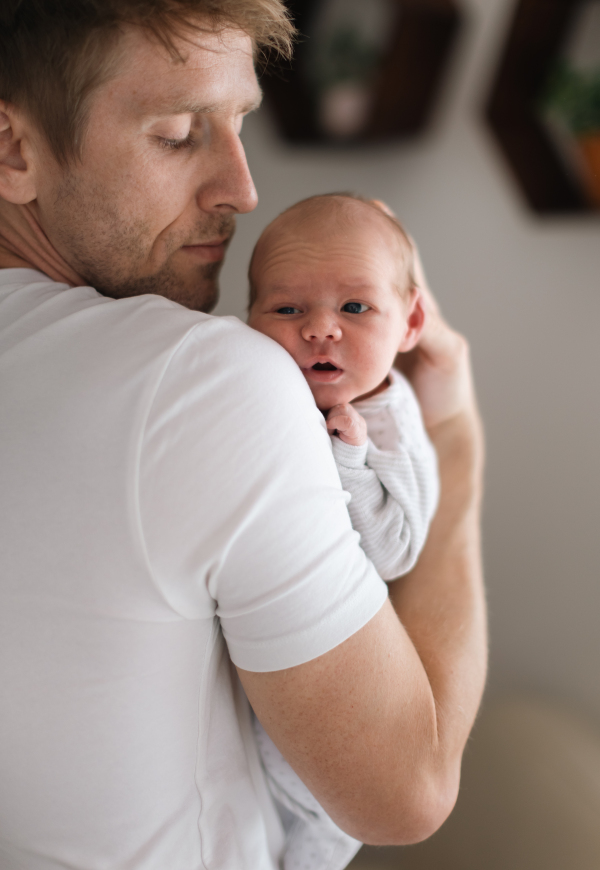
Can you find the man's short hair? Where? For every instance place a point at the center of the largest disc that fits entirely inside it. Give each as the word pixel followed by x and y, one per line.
pixel 312 205
pixel 55 53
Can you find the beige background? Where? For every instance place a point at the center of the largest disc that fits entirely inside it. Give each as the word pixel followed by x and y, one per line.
pixel 530 798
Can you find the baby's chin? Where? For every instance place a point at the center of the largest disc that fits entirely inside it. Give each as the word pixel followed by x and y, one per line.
pixel 326 397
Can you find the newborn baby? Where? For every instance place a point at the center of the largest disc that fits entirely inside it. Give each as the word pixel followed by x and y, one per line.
pixel 331 281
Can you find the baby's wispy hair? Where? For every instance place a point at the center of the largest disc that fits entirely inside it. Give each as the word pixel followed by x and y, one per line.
pixel 312 205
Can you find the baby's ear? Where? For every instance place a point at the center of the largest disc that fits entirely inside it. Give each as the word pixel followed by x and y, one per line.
pixel 415 321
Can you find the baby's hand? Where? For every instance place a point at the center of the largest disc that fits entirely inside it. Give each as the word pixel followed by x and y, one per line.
pixel 344 421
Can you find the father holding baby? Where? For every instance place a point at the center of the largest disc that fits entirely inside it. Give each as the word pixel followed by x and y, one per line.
pixel 173 527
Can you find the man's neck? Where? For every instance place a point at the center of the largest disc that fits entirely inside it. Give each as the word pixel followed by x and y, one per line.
pixel 24 244
pixel 9 260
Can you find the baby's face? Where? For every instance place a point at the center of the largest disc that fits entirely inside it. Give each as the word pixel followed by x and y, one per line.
pixel 329 297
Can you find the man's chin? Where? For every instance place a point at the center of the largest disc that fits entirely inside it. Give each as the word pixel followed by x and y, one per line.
pixel 197 289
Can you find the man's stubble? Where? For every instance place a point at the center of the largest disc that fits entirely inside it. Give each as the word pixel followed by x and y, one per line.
pixel 111 250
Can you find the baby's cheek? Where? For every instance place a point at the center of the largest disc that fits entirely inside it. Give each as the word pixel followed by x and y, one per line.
pixel 283 335
pixel 382 355
pixel 372 360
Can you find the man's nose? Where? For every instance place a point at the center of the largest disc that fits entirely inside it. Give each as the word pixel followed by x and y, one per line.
pixel 229 187
pixel 321 325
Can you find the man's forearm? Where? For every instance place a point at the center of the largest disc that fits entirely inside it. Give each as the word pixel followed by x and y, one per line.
pixel 441 602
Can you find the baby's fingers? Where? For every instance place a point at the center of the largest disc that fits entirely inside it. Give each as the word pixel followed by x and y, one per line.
pixel 338 424
pixel 347 423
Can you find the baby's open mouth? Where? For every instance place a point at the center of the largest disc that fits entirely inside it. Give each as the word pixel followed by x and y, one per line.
pixel 324 367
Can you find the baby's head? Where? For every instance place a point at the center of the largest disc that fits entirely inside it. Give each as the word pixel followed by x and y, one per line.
pixel 331 280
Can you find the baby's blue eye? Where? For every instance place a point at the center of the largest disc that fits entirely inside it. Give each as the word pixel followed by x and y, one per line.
pixel 287 309
pixel 355 307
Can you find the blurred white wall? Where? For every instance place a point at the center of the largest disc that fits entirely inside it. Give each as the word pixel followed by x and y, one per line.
pixel 526 292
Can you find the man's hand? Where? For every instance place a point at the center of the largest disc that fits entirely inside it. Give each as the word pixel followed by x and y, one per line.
pixel 345 422
pixel 439 367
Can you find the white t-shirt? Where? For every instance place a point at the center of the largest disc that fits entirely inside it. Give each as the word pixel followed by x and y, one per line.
pixel 168 504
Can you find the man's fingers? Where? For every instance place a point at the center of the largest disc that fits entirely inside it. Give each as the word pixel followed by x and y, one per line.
pixel 383 206
pixel 438 366
pixel 431 306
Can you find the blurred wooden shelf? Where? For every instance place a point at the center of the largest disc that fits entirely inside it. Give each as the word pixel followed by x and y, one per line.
pixel 404 86
pixel 538 33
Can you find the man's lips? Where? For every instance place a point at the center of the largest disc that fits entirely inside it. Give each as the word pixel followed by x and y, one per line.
pixel 208 252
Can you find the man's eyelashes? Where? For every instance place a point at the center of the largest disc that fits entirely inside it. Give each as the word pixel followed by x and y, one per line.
pixel 177 144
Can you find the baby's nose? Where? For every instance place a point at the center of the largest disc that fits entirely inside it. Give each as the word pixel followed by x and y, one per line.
pixel 321 325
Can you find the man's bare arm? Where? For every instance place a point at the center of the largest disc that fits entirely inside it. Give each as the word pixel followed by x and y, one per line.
pixel 377 726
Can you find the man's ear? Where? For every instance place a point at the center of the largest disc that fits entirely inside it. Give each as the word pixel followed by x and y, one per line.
pixel 415 321
pixel 17 183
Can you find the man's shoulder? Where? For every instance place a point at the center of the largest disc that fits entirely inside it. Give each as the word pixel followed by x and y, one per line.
pixel 181 351
pixel 137 321
pixel 231 350
pixel 199 350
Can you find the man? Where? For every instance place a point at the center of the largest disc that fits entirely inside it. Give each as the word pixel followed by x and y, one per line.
pixel 161 517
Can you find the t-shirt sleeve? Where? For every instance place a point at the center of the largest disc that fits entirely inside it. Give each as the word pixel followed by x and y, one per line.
pixel 241 508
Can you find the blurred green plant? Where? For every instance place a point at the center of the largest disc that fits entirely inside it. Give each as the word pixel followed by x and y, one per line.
pixel 575 97
pixel 345 56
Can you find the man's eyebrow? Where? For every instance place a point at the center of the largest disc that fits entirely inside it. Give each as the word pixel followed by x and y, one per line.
pixel 186 108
